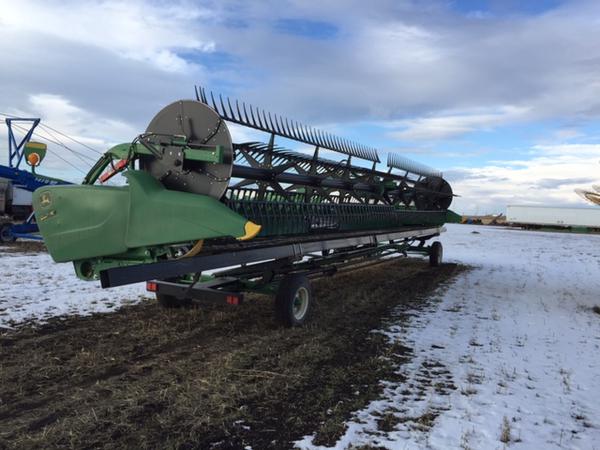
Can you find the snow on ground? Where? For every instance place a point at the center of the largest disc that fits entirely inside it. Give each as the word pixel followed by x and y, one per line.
pixel 506 357
pixel 34 288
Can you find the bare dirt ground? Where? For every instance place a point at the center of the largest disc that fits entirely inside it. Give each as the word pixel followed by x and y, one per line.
pixel 146 377
pixel 23 247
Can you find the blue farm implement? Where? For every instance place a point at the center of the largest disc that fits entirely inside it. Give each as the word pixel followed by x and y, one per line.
pixel 16 217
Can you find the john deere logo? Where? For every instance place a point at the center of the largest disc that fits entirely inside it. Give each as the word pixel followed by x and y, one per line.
pixel 45 199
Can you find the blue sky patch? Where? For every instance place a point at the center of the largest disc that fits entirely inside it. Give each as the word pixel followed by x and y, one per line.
pixel 312 29
pixel 497 7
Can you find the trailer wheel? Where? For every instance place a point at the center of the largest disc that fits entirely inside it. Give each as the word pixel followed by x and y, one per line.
pixel 6 233
pixel 293 300
pixel 170 301
pixel 436 254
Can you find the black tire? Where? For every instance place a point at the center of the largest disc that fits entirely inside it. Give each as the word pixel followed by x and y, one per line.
pixel 170 301
pixel 436 254
pixel 5 233
pixel 293 302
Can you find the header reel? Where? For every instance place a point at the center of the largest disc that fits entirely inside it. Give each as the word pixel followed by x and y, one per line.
pixel 188 182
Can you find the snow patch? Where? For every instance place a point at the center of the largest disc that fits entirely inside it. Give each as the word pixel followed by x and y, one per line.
pixel 33 288
pixel 506 357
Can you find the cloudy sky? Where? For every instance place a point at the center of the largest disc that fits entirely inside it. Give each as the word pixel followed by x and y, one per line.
pixel 502 96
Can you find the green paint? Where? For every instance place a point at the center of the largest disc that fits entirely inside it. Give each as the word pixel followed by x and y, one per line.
pixel 86 221
pixel 452 217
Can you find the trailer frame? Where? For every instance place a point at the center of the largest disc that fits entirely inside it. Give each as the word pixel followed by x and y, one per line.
pixel 269 269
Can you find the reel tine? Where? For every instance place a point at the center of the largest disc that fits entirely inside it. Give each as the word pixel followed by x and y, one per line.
pixel 325 140
pixel 224 113
pixel 310 133
pixel 252 115
pixel 348 146
pixel 364 152
pixel 330 141
pixel 276 129
pixel 271 122
pixel 285 131
pixel 237 106
pixel 277 120
pixel 353 148
pixel 345 145
pixel 290 130
pixel 361 151
pixel 212 97
pixel 375 155
pixel 300 128
pixel 322 139
pixel 304 135
pixel 230 108
pixel 245 112
pixel 259 121
pixel 283 126
pixel 338 144
pixel 399 162
pixel 296 132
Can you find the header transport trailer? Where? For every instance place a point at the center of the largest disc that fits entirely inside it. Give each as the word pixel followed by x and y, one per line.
pixel 203 219
pixel 553 217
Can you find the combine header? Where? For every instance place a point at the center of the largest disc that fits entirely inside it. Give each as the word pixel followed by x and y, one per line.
pixel 196 202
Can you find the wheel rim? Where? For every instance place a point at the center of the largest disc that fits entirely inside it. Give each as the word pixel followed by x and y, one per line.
pixel 300 305
pixel 5 234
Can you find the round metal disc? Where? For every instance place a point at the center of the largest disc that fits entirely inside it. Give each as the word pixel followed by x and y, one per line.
pixel 201 125
pixel 433 194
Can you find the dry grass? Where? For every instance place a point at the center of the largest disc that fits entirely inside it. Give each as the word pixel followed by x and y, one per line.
pixel 505 431
pixel 388 422
pixel 23 247
pixel 216 378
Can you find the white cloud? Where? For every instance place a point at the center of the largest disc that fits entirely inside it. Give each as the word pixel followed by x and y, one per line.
pixel 136 30
pixel 67 120
pixel 578 150
pixel 83 125
pixel 547 179
pixel 451 125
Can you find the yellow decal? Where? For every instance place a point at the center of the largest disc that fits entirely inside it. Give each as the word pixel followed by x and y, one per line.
pixel 251 229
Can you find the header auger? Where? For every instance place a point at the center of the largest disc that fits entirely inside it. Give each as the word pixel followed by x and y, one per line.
pixel 190 191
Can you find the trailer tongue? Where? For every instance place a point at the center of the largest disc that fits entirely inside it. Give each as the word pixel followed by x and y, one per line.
pixel 195 201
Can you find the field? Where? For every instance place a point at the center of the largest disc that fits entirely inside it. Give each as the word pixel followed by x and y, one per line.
pixel 497 348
